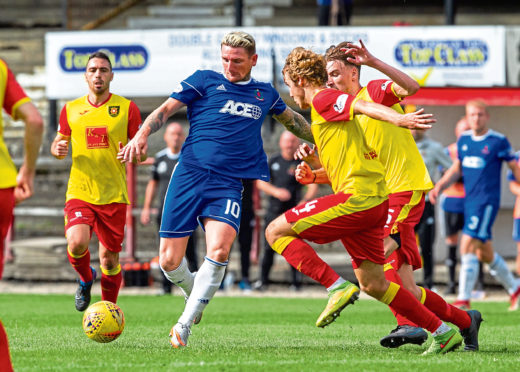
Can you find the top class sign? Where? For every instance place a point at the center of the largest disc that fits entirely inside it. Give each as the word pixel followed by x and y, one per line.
pixel 153 62
pixel 442 53
pixel 123 58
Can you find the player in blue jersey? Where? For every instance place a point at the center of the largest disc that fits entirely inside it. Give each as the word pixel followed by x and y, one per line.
pixel 480 153
pixel 226 111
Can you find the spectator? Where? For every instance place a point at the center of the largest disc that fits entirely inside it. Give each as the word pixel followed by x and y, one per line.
pixel 334 12
pixel 284 193
pixel 163 166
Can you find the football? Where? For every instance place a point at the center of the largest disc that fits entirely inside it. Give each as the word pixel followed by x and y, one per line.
pixel 103 321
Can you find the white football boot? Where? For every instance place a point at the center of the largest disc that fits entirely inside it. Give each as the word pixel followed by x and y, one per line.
pixel 179 335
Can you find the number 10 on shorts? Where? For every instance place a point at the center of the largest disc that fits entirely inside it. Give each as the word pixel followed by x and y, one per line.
pixel 233 208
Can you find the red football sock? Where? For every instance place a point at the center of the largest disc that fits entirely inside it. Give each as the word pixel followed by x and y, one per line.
pixel 110 285
pixel 303 258
pixel 82 265
pixel 5 358
pixel 445 311
pixel 392 276
pixel 405 303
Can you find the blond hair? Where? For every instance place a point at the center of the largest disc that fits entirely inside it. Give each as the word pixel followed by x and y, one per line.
pixel 305 63
pixel 477 103
pixel 240 39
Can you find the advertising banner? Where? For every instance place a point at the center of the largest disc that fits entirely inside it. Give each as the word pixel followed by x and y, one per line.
pixel 151 63
pixel 513 56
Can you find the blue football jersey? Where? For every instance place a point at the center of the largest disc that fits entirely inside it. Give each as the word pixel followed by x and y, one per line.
pixel 481 161
pixel 225 123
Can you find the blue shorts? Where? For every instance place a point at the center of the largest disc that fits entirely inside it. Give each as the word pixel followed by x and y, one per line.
pixel 194 194
pixel 478 220
pixel 516 229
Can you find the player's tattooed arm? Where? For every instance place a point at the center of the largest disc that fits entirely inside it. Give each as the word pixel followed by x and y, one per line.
pixel 160 115
pixel 295 123
pixel 155 121
pixel 137 146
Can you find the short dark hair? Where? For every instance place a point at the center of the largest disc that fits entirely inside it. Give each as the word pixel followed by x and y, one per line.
pixel 334 53
pixel 102 55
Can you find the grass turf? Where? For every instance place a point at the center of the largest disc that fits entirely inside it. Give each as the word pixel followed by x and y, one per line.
pixel 238 334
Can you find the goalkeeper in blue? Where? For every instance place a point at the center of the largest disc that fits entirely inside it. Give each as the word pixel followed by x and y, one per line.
pixel 226 111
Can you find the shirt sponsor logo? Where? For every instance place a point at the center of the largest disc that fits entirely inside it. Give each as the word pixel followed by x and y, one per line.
pixel 242 109
pixel 339 106
pixel 97 137
pixel 475 162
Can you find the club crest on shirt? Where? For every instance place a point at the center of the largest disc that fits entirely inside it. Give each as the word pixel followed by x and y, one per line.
pixel 113 111
pixel 259 96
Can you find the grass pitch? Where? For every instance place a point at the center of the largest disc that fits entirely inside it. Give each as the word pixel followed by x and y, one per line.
pixel 240 334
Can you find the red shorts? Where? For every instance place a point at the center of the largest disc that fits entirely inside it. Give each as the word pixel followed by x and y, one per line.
pixel 339 217
pixel 6 212
pixel 107 221
pixel 404 212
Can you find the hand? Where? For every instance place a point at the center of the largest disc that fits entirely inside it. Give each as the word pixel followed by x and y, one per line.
pixel 135 149
pixel 61 149
pixel 360 54
pixel 303 174
pixel 308 154
pixel 417 120
pixel 24 185
pixel 145 216
pixel 433 194
pixel 283 194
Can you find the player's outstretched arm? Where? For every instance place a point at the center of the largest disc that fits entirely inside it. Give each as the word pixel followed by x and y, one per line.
pixel 296 124
pixel 32 142
pixel 137 146
pixel 412 120
pixel 452 175
pixel 404 84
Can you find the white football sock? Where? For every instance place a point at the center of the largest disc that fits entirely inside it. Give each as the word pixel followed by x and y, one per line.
pixel 336 284
pixel 181 277
pixel 207 282
pixel 443 328
pixel 468 275
pixel 498 268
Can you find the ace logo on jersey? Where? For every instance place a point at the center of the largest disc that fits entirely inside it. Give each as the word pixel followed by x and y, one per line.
pixel 113 111
pixel 97 137
pixel 242 109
